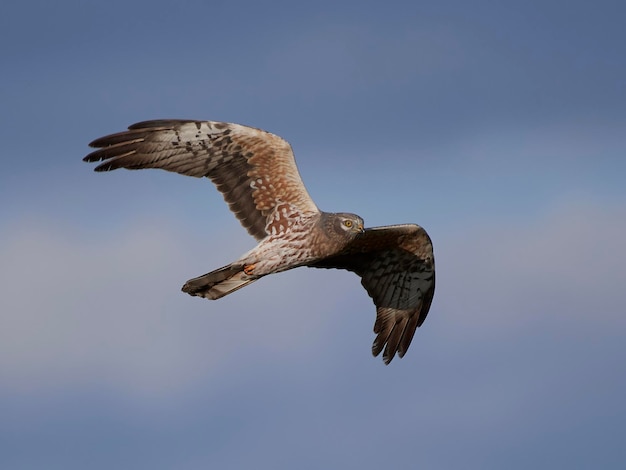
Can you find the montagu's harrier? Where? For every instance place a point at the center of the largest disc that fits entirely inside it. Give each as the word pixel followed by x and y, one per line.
pixel 256 172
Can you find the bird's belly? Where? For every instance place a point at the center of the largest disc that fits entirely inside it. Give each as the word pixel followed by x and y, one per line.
pixel 279 255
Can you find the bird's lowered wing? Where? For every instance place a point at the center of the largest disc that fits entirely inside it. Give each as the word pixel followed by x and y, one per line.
pixel 397 268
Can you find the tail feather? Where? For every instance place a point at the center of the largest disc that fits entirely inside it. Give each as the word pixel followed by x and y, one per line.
pixel 218 283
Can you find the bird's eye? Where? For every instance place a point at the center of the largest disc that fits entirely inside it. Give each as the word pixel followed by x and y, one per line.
pixel 347 223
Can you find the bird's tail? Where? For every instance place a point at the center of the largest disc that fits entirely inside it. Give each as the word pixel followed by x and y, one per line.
pixel 219 283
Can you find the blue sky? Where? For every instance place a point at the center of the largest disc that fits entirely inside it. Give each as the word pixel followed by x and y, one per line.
pixel 498 126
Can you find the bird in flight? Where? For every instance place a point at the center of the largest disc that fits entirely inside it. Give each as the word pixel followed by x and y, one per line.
pixel 256 173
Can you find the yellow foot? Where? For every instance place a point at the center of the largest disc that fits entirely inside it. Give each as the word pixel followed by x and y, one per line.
pixel 249 269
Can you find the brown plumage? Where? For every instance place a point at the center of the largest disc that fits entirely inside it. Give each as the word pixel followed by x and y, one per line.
pixel 257 175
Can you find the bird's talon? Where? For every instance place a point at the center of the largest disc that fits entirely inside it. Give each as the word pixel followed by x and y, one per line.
pixel 248 269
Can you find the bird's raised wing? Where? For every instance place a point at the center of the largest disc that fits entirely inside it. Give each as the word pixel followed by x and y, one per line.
pixel 397 268
pixel 254 170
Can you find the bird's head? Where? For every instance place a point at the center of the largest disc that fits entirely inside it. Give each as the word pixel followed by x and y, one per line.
pixel 349 224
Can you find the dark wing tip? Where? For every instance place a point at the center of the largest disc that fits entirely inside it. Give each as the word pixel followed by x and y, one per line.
pixel 114 147
pixel 133 132
pixel 106 166
pixel 395 329
pixel 390 348
pixel 388 354
pixel 160 123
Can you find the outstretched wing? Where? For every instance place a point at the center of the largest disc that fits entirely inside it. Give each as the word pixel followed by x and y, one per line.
pixel 397 268
pixel 254 170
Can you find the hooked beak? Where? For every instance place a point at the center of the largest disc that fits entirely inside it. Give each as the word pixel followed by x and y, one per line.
pixel 360 228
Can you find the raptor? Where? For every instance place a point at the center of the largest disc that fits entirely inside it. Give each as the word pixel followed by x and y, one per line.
pixel 256 173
